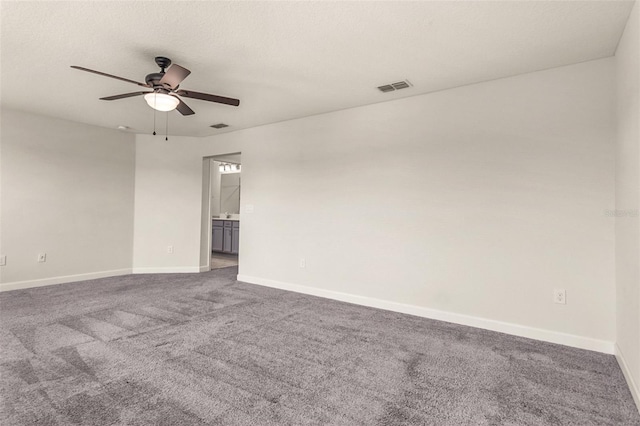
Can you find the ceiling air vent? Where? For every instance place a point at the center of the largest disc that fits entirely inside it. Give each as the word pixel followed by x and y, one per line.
pixel 395 86
pixel 219 126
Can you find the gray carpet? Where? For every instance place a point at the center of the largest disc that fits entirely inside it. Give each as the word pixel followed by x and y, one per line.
pixel 194 349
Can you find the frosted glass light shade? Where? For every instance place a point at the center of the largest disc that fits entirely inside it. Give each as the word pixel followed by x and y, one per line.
pixel 161 101
pixel 226 168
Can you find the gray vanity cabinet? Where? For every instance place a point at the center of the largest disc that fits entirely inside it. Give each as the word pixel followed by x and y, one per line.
pixel 225 236
pixel 235 239
pixel 218 235
pixel 228 236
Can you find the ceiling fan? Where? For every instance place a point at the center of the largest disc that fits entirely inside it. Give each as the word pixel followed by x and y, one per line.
pixel 165 93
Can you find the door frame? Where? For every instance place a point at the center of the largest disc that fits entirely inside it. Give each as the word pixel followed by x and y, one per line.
pixel 206 194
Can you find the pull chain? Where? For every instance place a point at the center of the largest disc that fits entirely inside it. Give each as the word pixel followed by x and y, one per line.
pixel 154 115
pixel 166 129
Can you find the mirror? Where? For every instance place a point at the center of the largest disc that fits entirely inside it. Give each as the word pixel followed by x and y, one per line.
pixel 225 185
pixel 230 193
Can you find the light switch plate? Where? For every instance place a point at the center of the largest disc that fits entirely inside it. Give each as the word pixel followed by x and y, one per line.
pixel 3 260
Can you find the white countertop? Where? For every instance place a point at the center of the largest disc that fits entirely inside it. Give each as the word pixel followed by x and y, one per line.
pixel 224 218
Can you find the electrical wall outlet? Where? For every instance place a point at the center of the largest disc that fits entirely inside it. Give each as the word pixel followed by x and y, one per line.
pixel 303 263
pixel 3 260
pixel 42 257
pixel 170 249
pixel 560 296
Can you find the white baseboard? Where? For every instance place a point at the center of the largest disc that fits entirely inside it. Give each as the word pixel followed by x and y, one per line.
pixel 581 342
pixel 167 270
pixel 18 285
pixel 633 386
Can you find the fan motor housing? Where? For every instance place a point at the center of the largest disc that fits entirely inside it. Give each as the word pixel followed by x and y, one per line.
pixel 154 78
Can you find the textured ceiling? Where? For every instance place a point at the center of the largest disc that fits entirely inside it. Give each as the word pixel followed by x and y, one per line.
pixel 283 60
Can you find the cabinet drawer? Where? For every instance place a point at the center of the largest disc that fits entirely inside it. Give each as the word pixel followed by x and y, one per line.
pixel 218 223
pixel 228 223
pixel 236 224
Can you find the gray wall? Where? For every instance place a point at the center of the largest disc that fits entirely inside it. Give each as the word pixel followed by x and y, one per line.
pixel 628 202
pixel 478 201
pixel 214 183
pixel 168 202
pixel 67 190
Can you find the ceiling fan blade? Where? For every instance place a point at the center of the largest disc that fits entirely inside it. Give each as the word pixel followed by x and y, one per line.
pixel 184 108
pixel 207 97
pixel 109 75
pixel 125 95
pixel 174 76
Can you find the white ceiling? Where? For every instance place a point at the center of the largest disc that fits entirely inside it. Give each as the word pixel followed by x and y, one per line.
pixel 282 59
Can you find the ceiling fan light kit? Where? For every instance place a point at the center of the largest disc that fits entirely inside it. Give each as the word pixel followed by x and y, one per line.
pixel 161 101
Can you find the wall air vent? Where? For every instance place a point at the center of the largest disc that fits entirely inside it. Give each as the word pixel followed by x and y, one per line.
pixel 395 86
pixel 219 126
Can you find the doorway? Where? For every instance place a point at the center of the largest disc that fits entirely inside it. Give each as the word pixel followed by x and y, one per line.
pixel 225 187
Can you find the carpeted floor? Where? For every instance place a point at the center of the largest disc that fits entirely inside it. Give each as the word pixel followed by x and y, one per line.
pixel 195 349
